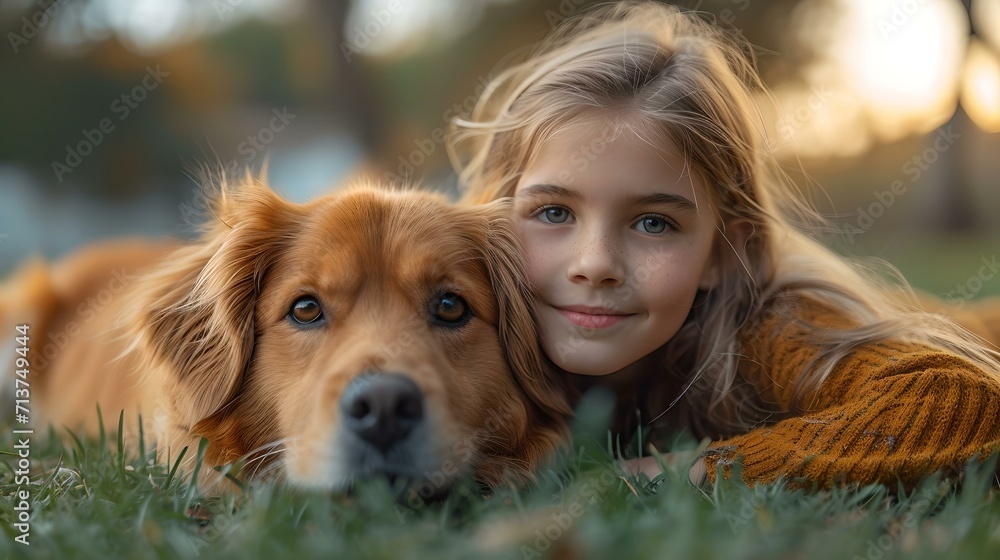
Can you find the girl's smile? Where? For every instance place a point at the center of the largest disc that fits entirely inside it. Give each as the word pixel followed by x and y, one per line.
pixel 592 317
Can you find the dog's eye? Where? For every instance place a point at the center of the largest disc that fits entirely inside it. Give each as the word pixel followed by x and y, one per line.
pixel 450 310
pixel 306 310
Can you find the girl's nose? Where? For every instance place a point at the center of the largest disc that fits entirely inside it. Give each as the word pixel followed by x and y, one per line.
pixel 597 263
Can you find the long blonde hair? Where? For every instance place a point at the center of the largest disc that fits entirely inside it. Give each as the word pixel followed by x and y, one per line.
pixel 693 85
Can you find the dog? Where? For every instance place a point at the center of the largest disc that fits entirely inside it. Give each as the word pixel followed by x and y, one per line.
pixel 369 333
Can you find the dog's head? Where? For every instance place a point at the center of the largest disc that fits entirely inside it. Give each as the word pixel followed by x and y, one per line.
pixel 367 333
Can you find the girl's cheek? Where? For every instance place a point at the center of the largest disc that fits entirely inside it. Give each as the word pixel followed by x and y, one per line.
pixel 538 260
pixel 525 230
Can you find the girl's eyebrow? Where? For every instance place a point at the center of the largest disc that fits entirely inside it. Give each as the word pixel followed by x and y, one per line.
pixel 662 198
pixel 632 199
pixel 551 190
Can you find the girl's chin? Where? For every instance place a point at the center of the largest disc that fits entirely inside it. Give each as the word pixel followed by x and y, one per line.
pixel 610 365
pixel 592 367
pixel 588 372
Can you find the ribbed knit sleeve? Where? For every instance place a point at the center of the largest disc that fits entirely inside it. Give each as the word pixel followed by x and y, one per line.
pixel 886 413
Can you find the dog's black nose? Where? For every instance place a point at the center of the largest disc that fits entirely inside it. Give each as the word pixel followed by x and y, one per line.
pixel 382 408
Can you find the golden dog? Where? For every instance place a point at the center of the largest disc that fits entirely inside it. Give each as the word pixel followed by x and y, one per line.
pixel 367 333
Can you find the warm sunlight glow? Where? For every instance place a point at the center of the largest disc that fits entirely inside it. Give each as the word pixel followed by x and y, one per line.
pixel 400 28
pixel 904 58
pixel 981 87
pixel 888 69
pixel 986 21
pixel 151 27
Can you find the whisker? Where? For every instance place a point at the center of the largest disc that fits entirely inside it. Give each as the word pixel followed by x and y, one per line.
pixel 263 456
pixel 263 463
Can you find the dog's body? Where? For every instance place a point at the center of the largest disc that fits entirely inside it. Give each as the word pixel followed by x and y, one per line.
pixel 366 333
pixel 73 310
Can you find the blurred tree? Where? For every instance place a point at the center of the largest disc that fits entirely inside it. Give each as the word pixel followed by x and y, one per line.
pixel 952 206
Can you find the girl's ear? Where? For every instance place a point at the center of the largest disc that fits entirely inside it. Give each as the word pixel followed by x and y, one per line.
pixel 729 253
pixel 518 332
pixel 194 317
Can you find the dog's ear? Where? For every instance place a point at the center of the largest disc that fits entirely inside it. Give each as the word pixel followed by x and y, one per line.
pixel 518 332
pixel 194 316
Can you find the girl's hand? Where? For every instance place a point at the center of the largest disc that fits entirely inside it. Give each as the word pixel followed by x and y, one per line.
pixel 651 468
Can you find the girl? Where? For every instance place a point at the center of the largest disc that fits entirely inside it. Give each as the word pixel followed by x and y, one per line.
pixel 673 265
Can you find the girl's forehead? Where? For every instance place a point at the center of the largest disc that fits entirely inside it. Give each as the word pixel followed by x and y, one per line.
pixel 588 134
pixel 610 166
pixel 599 142
pixel 610 123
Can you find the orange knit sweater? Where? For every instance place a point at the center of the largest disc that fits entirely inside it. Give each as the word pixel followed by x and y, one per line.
pixel 888 412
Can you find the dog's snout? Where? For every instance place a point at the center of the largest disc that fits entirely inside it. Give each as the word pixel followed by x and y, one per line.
pixel 382 408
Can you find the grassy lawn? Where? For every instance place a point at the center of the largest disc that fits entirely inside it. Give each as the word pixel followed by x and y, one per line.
pixel 90 500
pixel 939 264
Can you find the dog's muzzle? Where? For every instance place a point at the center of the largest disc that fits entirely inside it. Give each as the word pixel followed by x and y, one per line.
pixel 382 409
pixel 385 431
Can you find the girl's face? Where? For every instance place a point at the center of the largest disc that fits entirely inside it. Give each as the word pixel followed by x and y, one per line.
pixel 618 238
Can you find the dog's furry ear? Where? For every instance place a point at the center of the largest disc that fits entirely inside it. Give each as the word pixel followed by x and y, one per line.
pixel 517 326
pixel 195 314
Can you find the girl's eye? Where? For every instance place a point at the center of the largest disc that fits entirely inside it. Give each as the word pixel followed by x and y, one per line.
pixel 553 214
pixel 305 311
pixel 653 224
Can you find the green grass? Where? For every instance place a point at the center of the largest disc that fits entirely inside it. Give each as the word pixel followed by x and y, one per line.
pixel 104 499
pixel 938 264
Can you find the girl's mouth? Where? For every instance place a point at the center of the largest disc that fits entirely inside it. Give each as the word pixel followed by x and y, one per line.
pixel 592 318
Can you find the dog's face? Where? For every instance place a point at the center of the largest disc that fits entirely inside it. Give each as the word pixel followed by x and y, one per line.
pixel 377 335
pixel 369 333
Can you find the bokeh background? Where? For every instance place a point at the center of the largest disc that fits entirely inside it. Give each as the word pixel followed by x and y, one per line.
pixel 887 110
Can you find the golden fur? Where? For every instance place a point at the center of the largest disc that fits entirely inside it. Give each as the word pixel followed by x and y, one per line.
pixel 198 338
